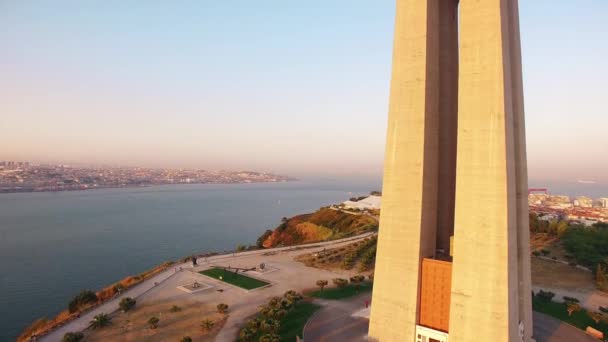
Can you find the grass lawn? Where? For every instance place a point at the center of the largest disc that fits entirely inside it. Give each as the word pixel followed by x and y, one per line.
pixel 579 319
pixel 294 322
pixel 341 293
pixel 230 277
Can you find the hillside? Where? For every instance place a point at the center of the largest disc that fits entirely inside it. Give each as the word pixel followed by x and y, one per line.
pixel 324 224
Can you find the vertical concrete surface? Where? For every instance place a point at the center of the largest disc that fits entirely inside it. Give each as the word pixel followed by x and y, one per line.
pixel 488 296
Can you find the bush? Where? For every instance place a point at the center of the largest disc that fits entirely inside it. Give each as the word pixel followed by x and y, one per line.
pixel 339 282
pixel 545 295
pixel 536 253
pixel 99 321
pixel 545 251
pixel 72 337
pixel 222 308
pixel 153 322
pixel 175 309
pixel 186 339
pixel 207 325
pixel 127 304
pixel 85 297
pixel 571 299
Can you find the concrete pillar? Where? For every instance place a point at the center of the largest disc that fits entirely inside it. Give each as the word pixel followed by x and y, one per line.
pixel 419 161
pixel 490 280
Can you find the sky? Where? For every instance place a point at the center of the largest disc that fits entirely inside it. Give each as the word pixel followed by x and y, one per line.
pixel 296 87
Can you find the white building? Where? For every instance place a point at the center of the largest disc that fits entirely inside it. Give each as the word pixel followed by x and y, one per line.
pixel 371 202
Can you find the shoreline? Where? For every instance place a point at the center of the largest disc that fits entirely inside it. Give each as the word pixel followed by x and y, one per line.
pixel 135 186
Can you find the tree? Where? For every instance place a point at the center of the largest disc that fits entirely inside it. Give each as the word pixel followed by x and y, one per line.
pixel 72 337
pixel 247 335
pixel 546 296
pixel 99 321
pixel 83 298
pixel 357 280
pixel 572 307
pixel 207 324
pixel 222 308
pixel 153 322
pixel 127 304
pixel 339 282
pixel 270 325
pixel 270 338
pixel 241 248
pixel 322 284
pixel 596 316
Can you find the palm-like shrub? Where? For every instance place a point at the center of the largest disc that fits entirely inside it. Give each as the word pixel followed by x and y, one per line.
pixel 339 282
pixel 322 283
pixel 153 322
pixel 270 325
pixel 72 337
pixel 222 308
pixel 357 280
pixel 127 304
pixel 207 324
pixel 247 335
pixel 99 321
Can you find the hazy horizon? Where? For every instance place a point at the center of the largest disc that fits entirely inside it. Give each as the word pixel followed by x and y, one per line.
pixel 298 89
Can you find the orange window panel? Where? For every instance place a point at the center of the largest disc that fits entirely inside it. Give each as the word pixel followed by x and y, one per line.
pixel 435 290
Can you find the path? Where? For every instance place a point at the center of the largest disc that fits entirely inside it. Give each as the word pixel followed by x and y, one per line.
pixel 335 322
pixel 146 286
pixel 590 300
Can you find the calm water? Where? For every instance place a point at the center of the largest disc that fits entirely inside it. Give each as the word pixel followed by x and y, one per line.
pixel 52 245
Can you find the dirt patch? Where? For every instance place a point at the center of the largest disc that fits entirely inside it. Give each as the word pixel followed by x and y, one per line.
pixel 559 275
pixel 133 325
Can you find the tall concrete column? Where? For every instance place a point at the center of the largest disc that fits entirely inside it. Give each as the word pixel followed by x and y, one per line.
pixel 419 161
pixel 490 279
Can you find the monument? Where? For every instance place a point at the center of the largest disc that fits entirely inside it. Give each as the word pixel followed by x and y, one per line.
pixel 453 259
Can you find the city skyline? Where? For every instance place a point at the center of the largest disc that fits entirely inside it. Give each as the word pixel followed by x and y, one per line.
pixel 296 90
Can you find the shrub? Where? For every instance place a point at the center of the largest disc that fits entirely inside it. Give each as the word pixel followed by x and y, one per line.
pixel 207 324
pixel 127 304
pixel 175 308
pixel 222 308
pixel 72 337
pixel 545 295
pixel 339 282
pixel 85 297
pixel 270 338
pixel 99 321
pixel 536 253
pixel 571 299
pixel 322 283
pixel 186 339
pixel 153 322
pixel 545 251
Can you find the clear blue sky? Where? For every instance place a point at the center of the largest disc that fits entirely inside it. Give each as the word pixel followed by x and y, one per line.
pixel 287 86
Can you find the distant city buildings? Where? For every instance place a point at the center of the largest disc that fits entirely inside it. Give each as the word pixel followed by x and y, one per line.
pixel 27 177
pixel 582 209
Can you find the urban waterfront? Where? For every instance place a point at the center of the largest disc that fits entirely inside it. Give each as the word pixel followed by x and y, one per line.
pixel 53 245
